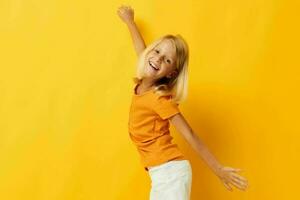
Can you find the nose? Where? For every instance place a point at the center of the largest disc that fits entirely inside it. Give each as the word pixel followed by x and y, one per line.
pixel 158 58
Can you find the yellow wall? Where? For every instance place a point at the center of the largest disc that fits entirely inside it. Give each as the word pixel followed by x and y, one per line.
pixel 65 90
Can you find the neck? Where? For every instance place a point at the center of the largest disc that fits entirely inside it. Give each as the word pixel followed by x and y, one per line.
pixel 147 83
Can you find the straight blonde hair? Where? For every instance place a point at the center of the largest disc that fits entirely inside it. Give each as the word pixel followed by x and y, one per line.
pixel 177 86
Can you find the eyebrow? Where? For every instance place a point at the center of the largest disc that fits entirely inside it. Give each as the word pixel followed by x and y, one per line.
pixel 168 56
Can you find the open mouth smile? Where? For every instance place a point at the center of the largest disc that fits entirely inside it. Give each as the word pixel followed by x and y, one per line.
pixel 155 67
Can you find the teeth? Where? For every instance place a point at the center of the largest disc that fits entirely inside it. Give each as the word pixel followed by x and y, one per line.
pixel 153 65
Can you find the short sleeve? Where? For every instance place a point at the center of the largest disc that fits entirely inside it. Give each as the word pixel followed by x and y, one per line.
pixel 165 107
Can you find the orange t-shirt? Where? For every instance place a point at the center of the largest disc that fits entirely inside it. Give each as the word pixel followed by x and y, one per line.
pixel 148 127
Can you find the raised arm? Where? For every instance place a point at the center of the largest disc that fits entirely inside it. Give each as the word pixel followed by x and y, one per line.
pixel 226 174
pixel 126 13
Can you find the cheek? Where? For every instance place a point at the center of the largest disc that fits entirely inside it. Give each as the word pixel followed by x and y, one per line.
pixel 148 56
pixel 166 70
pixel 170 67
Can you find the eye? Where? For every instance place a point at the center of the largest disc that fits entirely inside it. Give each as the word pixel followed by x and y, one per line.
pixel 168 61
pixel 157 51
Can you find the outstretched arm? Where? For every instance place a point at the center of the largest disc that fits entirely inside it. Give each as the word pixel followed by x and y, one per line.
pixel 126 13
pixel 226 174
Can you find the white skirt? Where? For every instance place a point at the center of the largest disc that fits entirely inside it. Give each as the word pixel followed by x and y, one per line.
pixel 171 180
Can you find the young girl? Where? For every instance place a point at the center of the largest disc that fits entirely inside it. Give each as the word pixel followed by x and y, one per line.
pixel 160 84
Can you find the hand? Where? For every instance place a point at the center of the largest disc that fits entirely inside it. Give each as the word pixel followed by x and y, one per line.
pixel 126 13
pixel 228 175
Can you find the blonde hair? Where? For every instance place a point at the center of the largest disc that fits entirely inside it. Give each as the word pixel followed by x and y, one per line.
pixel 177 86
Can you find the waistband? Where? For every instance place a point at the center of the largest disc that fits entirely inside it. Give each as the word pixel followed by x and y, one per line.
pixel 169 163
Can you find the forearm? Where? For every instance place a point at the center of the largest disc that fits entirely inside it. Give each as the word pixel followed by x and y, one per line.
pixel 136 37
pixel 204 152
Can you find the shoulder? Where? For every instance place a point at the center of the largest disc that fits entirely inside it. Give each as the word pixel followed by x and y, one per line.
pixel 164 106
pixel 160 97
pixel 164 99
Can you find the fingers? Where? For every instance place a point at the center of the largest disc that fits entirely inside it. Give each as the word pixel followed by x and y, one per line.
pixel 124 7
pixel 125 10
pixel 121 9
pixel 238 183
pixel 233 169
pixel 239 177
pixel 235 179
pixel 226 184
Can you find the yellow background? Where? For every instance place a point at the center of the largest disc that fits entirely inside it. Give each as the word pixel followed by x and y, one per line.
pixel 66 73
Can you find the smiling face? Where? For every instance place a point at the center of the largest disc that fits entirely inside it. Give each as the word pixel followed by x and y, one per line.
pixel 161 61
